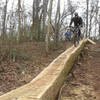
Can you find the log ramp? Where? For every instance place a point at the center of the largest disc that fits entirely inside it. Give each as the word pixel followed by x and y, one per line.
pixel 48 83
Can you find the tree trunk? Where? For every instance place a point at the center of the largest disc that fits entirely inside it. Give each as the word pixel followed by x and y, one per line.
pixel 87 13
pixel 90 27
pixel 99 27
pixel 91 17
pixel 4 20
pixel 57 20
pixel 35 25
pixel 19 21
pixel 12 26
pixel 49 26
pixel 96 16
pixel 45 5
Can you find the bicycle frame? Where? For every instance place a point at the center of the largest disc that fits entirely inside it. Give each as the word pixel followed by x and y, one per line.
pixel 76 37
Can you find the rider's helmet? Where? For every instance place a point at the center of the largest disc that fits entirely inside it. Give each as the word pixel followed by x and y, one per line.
pixel 76 14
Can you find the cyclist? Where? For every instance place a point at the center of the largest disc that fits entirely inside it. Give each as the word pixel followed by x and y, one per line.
pixel 78 22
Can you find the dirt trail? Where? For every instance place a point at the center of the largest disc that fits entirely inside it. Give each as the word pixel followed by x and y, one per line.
pixel 86 84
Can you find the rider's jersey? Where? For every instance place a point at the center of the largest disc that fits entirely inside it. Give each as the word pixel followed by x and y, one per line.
pixel 77 21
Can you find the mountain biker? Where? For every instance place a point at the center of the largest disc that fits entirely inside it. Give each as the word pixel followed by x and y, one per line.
pixel 78 22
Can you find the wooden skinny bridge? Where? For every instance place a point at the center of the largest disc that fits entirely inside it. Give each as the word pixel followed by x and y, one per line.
pixel 48 83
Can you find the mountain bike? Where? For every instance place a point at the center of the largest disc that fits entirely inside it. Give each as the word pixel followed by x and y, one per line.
pixel 76 37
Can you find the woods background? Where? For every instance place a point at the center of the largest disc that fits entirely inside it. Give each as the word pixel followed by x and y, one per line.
pixel 45 20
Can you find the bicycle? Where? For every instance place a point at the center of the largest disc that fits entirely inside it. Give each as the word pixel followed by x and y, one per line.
pixel 76 37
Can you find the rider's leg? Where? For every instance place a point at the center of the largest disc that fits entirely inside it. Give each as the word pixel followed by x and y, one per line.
pixel 79 35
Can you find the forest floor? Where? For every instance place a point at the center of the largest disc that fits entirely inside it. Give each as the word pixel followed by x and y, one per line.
pixel 85 85
pixel 19 64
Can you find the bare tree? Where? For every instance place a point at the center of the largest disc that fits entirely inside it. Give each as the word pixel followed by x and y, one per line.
pixel 96 15
pixel 4 20
pixel 49 26
pixel 99 27
pixel 87 14
pixel 45 5
pixel 11 21
pixel 36 20
pixel 19 20
pixel 71 7
pixel 57 20
pixel 91 15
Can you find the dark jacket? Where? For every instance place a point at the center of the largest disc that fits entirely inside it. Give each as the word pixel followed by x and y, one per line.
pixel 77 21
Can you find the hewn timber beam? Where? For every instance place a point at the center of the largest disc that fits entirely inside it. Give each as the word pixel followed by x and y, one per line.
pixel 47 84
